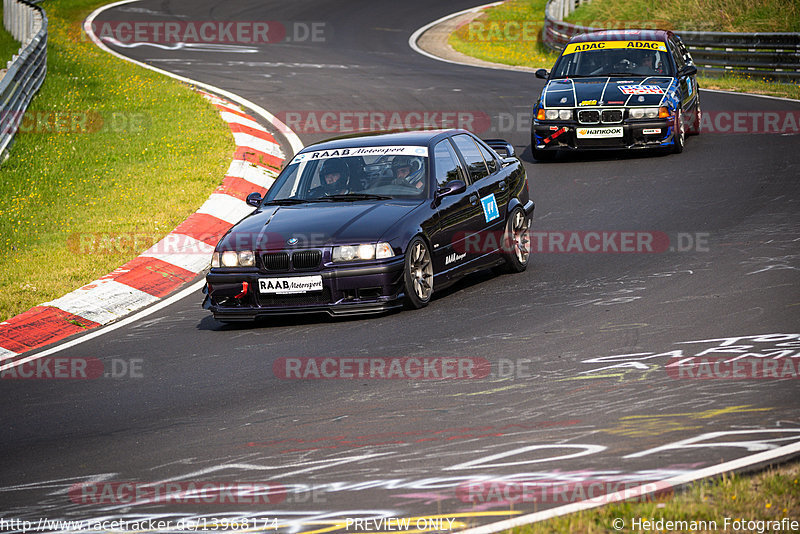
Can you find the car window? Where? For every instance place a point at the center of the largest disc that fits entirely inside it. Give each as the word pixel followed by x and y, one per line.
pixel 472 156
pixel 676 54
pixel 393 172
pixel 489 158
pixel 446 162
pixel 683 51
pixel 287 186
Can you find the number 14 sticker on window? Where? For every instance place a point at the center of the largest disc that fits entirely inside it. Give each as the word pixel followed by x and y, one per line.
pixel 490 210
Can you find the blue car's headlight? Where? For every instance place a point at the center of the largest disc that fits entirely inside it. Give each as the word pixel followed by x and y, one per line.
pixel 643 113
pixel 367 251
pixel 553 114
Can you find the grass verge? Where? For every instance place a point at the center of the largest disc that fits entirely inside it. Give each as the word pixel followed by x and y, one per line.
pixel 768 496
pixel 696 15
pixel 510 33
pixel 106 149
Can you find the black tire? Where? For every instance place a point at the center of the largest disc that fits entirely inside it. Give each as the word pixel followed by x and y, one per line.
pixel 679 136
pixel 694 125
pixel 517 241
pixel 418 274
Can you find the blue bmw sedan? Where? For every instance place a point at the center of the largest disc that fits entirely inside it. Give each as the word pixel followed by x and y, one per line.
pixel 617 89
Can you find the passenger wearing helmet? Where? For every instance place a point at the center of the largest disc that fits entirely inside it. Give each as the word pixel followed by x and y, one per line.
pixel 405 171
pixel 334 176
pixel 401 167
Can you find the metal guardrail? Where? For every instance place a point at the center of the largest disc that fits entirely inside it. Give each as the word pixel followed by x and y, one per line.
pixel 768 55
pixel 26 70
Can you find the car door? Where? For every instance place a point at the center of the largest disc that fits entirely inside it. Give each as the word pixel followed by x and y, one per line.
pixel 459 216
pixel 485 188
pixel 500 182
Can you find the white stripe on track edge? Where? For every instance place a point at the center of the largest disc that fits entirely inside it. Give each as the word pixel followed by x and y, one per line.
pixel 739 463
pixel 288 134
pixel 110 327
pixel 639 491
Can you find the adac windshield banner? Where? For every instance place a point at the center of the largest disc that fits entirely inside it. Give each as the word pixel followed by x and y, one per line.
pixel 608 45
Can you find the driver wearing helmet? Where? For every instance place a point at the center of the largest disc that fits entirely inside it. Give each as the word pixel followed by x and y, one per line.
pixel 335 175
pixel 649 64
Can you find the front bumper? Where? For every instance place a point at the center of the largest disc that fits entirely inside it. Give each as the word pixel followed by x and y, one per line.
pixel 635 135
pixel 362 288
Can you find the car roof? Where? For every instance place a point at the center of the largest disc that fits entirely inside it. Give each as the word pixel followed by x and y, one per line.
pixel 623 35
pixel 411 138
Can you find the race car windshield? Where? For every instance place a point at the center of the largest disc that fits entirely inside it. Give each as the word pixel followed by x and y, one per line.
pixel 313 177
pixel 581 63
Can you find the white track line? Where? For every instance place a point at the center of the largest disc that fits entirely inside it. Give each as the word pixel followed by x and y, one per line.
pixel 412 42
pixel 191 290
pixel 288 134
pixel 716 470
pixel 640 491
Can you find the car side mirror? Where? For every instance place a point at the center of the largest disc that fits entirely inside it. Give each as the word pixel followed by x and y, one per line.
pixel 689 70
pixel 541 73
pixel 254 199
pixel 452 187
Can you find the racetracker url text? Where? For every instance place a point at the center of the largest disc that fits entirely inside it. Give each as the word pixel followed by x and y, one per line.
pixel 194 524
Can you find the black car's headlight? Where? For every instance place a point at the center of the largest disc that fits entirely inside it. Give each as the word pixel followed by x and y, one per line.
pixel 233 258
pixel 367 251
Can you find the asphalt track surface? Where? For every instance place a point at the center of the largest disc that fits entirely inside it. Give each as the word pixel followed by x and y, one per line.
pixel 205 405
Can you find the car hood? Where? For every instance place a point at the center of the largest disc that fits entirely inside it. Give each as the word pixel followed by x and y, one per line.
pixel 607 91
pixel 316 224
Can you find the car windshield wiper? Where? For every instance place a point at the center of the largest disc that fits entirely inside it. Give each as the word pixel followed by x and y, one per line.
pixel 286 201
pixel 355 196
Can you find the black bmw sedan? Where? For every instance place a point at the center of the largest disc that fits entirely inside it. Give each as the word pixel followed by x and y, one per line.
pixel 366 224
